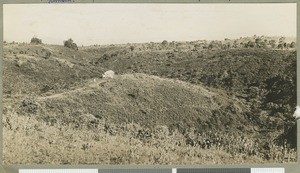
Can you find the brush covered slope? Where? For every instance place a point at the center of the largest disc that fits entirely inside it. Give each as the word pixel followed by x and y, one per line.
pixel 37 69
pixel 133 110
pixel 149 101
pixel 263 78
pixel 164 106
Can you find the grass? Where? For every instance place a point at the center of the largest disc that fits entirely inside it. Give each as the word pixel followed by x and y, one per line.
pixel 38 143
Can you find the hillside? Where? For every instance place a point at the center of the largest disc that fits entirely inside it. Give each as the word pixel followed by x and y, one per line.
pixel 148 101
pixel 231 103
pixel 139 107
pixel 264 78
pixel 37 69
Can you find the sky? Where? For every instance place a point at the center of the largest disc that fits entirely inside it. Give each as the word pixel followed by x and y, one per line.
pixel 89 24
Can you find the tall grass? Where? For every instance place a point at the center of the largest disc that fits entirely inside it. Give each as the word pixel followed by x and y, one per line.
pixel 28 141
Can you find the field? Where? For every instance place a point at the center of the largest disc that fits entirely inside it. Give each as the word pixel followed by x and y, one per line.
pixel 198 102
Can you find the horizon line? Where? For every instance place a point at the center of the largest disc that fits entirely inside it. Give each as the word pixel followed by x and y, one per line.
pixel 107 44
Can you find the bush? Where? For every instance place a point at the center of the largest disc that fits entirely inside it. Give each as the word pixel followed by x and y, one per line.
pixel 46 53
pixel 131 48
pixel 29 105
pixel 292 45
pixel 36 40
pixel 70 44
pixel 165 43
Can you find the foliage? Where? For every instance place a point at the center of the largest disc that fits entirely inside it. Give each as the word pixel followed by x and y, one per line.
pixel 130 143
pixel 30 105
pixel 36 40
pixel 131 48
pixel 70 44
pixel 165 43
pixel 293 45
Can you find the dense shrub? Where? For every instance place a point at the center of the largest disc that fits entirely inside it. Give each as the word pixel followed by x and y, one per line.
pixel 29 105
pixel 292 45
pixel 70 44
pixel 165 43
pixel 45 53
pixel 36 40
pixel 131 48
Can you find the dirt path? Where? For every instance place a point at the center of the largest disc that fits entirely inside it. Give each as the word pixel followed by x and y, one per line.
pixel 88 87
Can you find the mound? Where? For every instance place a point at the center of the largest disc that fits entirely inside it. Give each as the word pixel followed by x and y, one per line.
pixel 148 101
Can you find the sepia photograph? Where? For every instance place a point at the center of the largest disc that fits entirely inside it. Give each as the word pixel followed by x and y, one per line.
pixel 149 84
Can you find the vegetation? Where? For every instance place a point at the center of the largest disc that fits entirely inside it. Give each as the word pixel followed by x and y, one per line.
pixel 35 40
pixel 199 102
pixel 70 44
pixel 39 143
pixel 165 43
pixel 131 48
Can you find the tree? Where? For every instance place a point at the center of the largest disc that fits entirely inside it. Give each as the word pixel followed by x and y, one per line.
pixel 36 40
pixel 131 48
pixel 281 43
pixel 165 43
pixel 292 45
pixel 70 44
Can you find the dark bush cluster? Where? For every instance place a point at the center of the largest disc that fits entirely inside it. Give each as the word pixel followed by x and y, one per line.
pixel 131 48
pixel 36 40
pixel 70 44
pixel 165 43
pixel 46 53
pixel 29 105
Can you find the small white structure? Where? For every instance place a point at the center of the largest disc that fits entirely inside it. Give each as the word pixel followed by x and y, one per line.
pixel 297 112
pixel 108 74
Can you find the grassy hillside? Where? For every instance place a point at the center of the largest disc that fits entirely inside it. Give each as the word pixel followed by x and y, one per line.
pixel 145 100
pixel 36 69
pixel 184 104
pixel 265 79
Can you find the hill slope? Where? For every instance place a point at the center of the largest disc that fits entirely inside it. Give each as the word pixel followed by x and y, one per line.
pixel 135 111
pixel 264 78
pixel 37 69
pixel 148 101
